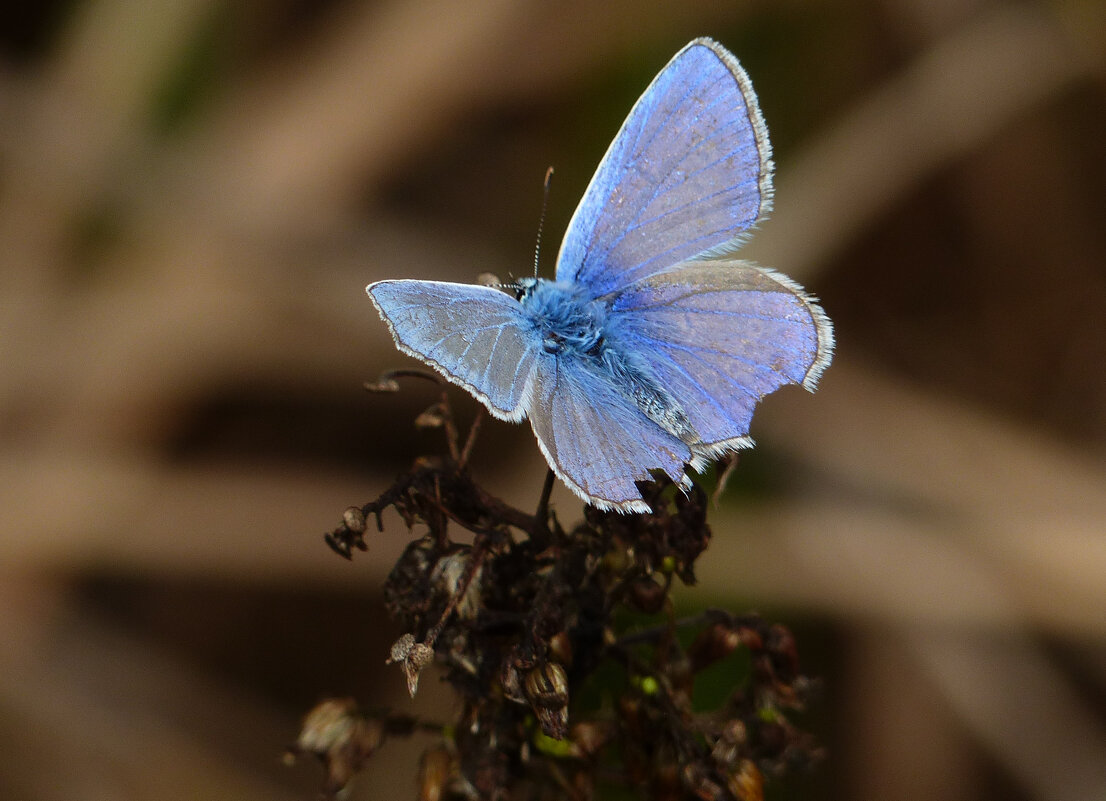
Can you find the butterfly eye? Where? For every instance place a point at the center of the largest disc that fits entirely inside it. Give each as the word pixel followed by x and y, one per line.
pixel 523 288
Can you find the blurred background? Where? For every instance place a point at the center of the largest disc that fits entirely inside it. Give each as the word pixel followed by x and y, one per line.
pixel 193 195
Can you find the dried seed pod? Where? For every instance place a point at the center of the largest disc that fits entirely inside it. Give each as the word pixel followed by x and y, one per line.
pixel 590 736
pixel 546 688
pixel 408 590
pixel 337 732
pixel 648 596
pixel 560 648
pixel 511 682
pixel 713 643
pixel 447 576
pixel 330 723
pixel 436 769
pixel 728 747
pixel 699 781
pixel 751 638
pixel 354 519
pixel 433 417
pixel 412 657
pixel 747 782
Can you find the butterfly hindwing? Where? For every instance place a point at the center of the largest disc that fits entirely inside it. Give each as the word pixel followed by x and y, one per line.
pixel 720 335
pixel 476 336
pixel 594 437
pixel 689 171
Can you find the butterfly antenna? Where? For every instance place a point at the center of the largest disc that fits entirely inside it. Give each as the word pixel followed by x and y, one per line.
pixel 541 219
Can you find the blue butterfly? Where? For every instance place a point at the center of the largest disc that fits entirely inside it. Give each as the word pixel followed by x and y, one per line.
pixel 651 348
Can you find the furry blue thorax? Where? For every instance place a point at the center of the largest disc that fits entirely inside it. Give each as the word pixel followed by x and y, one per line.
pixel 565 318
pixel 573 325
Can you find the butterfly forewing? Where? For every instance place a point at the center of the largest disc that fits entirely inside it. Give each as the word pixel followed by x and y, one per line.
pixel 688 172
pixel 475 336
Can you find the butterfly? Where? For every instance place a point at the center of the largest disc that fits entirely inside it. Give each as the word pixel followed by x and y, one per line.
pixel 651 347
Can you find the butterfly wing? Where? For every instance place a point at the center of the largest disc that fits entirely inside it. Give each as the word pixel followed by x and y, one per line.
pixel 594 437
pixel 719 335
pixel 688 172
pixel 475 336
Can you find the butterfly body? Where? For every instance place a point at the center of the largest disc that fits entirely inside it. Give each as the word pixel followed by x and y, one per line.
pixel 575 328
pixel 564 317
pixel 651 348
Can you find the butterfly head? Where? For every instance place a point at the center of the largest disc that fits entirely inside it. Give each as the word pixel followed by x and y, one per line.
pixel 566 319
pixel 523 289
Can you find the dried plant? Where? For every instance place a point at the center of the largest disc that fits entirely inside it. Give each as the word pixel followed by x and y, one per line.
pixel 563 690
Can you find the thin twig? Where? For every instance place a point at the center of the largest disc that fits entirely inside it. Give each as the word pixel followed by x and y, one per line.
pixel 479 551
pixel 470 441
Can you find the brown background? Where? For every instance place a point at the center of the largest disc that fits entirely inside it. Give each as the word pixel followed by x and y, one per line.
pixel 193 195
